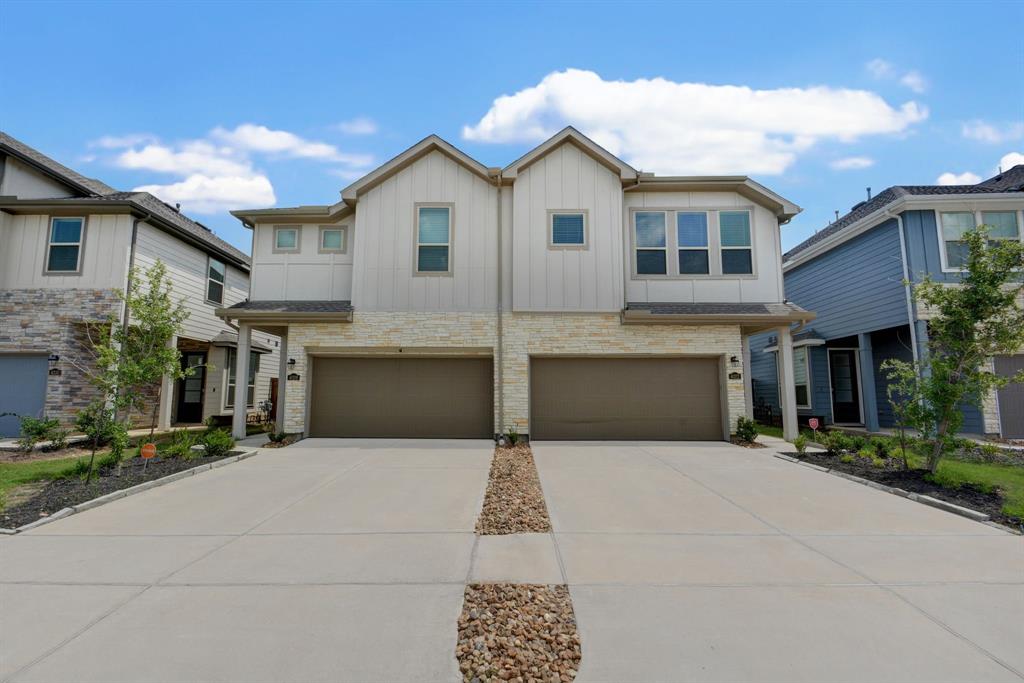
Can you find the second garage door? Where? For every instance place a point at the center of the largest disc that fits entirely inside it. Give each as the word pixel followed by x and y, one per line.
pixel 402 397
pixel 625 398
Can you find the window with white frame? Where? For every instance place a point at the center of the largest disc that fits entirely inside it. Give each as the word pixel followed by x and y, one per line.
pixel 692 241
pixel 64 247
pixel 651 243
pixel 332 240
pixel 286 239
pixel 229 391
pixel 433 239
pixel 215 273
pixel 801 376
pixel 568 229
pixel 1002 225
pixel 734 239
pixel 954 225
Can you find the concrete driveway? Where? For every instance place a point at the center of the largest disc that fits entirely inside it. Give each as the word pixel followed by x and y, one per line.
pixel 709 562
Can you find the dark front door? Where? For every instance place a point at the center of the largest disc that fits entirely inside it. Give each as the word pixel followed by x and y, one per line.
pixel 845 393
pixel 190 389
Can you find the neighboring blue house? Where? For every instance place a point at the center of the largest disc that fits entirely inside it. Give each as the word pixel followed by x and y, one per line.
pixel 852 273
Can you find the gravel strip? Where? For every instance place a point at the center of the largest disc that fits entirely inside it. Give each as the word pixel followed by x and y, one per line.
pixel 514 502
pixel 517 633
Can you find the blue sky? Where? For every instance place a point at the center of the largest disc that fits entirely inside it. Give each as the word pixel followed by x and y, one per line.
pixel 220 105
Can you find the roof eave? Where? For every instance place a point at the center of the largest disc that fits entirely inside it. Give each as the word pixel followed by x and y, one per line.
pixel 783 209
pixel 298 214
pixel 229 314
pixel 646 317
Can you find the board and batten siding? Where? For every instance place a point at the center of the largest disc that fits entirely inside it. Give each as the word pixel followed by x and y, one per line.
pixel 765 286
pixel 856 287
pixel 383 275
pixel 306 274
pixel 104 256
pixel 567 279
pixel 24 183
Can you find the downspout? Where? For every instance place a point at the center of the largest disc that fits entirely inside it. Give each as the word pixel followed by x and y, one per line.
pixel 131 265
pixel 499 311
pixel 908 290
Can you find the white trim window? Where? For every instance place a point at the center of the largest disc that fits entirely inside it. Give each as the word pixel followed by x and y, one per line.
pixel 286 239
pixel 692 242
pixel 735 242
pixel 433 240
pixel 333 240
pixel 229 389
pixel 1002 225
pixel 953 226
pixel 64 246
pixel 651 245
pixel 568 229
pixel 216 272
pixel 801 376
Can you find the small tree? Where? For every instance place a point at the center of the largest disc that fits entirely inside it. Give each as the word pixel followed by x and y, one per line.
pixel 908 408
pixel 971 322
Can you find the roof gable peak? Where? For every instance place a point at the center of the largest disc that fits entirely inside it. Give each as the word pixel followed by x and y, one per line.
pixel 572 136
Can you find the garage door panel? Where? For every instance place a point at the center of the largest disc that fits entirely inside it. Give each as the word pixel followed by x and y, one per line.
pixel 1011 397
pixel 625 398
pixel 402 397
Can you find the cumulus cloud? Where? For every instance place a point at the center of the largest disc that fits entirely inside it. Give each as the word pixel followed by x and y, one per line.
pixel 992 133
pixel 196 156
pixel 665 126
pixel 915 81
pixel 879 68
pixel 965 178
pixel 886 71
pixel 204 194
pixel 1010 160
pixel 852 163
pixel 361 125
pixel 121 141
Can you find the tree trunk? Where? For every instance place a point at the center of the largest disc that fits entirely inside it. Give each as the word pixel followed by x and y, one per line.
pixel 156 411
pixel 940 441
pixel 92 458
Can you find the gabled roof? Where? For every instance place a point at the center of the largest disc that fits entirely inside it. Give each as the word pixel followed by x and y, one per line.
pixel 783 209
pixel 420 149
pixel 96 193
pixel 319 213
pixel 573 136
pixel 1008 181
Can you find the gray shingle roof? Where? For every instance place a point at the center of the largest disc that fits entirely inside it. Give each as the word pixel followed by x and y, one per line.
pixel 97 190
pixel 294 306
pixel 1008 181
pixel 672 308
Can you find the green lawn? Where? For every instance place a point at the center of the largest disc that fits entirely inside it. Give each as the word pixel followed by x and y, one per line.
pixel 1009 478
pixel 14 474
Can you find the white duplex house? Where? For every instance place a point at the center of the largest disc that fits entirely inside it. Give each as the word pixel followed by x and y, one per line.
pixel 566 296
pixel 67 243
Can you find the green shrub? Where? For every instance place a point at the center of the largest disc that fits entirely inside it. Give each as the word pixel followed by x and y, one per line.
pixel 857 442
pixel 800 443
pixel 866 453
pixel 34 430
pixel 95 422
pixel 882 447
pixel 118 442
pixel 217 442
pixel 512 435
pixel 80 468
pixel 746 430
pixel 846 458
pixel 836 442
pixel 274 435
pixel 180 445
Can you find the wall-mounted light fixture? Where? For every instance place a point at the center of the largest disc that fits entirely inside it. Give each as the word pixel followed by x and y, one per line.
pixel 291 361
pixel 53 358
pixel 734 360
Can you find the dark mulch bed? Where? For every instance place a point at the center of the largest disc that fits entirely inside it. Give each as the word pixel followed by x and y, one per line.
pixel 61 493
pixel 915 481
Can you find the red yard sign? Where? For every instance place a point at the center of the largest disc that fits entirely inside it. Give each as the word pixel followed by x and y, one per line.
pixel 148 450
pixel 813 423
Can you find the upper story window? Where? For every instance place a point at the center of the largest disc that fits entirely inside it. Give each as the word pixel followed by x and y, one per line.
pixel 64 248
pixel 1002 225
pixel 286 239
pixel 734 232
pixel 651 244
pixel 333 239
pixel 215 273
pixel 433 239
pixel 568 229
pixel 954 225
pixel 692 239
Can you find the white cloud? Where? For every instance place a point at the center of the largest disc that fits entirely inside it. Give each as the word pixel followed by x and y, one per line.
pixel 1010 160
pixel 992 133
pixel 965 178
pixel 879 68
pixel 252 137
pixel 122 141
pixel 664 126
pixel 196 156
pixel 205 194
pixel 852 163
pixel 886 71
pixel 361 125
pixel 915 81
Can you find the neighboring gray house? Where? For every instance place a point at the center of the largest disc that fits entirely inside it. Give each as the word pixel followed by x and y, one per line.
pixel 66 243
pixel 852 274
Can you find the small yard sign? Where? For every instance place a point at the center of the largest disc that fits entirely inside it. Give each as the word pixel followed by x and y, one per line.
pixel 148 450
pixel 813 423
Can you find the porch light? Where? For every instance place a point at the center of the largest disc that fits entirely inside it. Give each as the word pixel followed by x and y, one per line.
pixel 734 360
pixel 291 361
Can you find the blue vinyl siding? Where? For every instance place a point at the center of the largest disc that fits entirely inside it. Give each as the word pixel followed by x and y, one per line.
pixel 856 287
pixel 821 400
pixel 886 344
pixel 763 372
pixel 923 247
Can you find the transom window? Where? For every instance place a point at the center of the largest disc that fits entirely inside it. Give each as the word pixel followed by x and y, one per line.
pixel 215 273
pixel 734 232
pixel 651 245
pixel 64 248
pixel 568 229
pixel 433 239
pixel 692 238
pixel 250 393
pixel 332 240
pixel 286 239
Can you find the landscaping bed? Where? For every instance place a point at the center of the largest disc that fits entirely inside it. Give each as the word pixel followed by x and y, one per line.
pixel 71 489
pixel 523 632
pixel 514 502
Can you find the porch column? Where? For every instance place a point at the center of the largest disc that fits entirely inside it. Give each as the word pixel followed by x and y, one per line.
pixel 163 419
pixel 787 392
pixel 241 380
pixel 867 383
pixel 748 382
pixel 282 382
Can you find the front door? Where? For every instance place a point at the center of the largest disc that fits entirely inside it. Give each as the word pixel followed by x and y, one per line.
pixel 842 365
pixel 190 389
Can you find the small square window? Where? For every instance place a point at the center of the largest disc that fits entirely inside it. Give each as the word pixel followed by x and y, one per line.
pixel 568 229
pixel 286 239
pixel 332 240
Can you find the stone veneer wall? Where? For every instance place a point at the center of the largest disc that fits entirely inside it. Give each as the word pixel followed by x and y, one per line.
pixel 54 321
pixel 524 334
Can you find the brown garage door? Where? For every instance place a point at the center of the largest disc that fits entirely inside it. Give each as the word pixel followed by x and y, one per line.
pixel 402 397
pixel 625 398
pixel 1011 397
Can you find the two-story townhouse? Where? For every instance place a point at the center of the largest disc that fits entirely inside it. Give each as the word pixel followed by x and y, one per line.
pixel 856 274
pixel 67 244
pixel 567 295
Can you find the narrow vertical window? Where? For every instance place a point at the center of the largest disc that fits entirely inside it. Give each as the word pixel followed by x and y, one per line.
pixel 734 233
pixel 954 225
pixel 250 391
pixel 801 377
pixel 692 240
pixel 215 273
pixel 649 238
pixel 64 248
pixel 433 239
